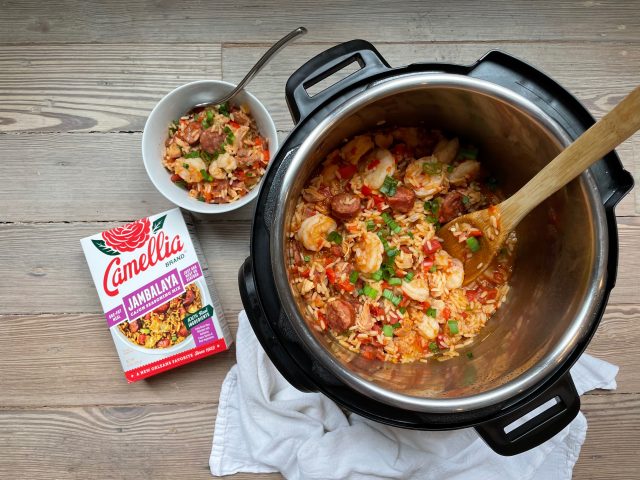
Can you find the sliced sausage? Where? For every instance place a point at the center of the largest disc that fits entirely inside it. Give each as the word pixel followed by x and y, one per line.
pixel 210 141
pixel 452 207
pixel 192 132
pixel 402 200
pixel 189 297
pixel 163 343
pixel 134 326
pixel 162 308
pixel 345 206
pixel 340 314
pixel 183 332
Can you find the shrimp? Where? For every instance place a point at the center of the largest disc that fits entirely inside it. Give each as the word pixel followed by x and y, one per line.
pixel 380 164
pixel 189 169
pixel 368 253
pixel 404 260
pixel 216 172
pixel 417 289
pixel 465 172
pixel 425 184
pixel 446 150
pixel 227 162
pixel 173 151
pixel 313 231
pixel 383 140
pixel 353 150
pixel 454 274
pixel 428 327
pixel 365 321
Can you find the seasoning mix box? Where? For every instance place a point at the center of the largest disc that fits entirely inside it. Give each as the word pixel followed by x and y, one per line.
pixel 159 302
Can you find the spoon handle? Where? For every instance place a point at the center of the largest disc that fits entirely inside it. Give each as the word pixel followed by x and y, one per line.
pixel 260 64
pixel 606 134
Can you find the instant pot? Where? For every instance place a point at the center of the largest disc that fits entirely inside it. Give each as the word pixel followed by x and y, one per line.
pixel 566 256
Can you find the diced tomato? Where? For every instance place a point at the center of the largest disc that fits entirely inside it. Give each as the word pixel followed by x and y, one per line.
pixel 431 246
pixel 265 156
pixel 142 338
pixel 427 263
pixel 234 124
pixel 347 286
pixel 446 313
pixel 258 141
pixel 305 272
pixel 366 190
pixel 328 260
pixel 368 353
pixel 385 285
pixel 464 315
pixel 405 301
pixel 380 355
pixel 440 341
pixel 493 209
pixel 399 149
pixel 347 171
pixel 472 294
pixel 175 178
pixel 425 305
pixel 373 164
pixel 475 233
pixel 492 294
pixel 375 310
pixel 331 275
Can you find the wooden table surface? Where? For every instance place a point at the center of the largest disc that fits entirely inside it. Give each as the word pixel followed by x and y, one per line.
pixel 77 81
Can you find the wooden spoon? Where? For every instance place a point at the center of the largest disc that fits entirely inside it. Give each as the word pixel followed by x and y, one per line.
pixel 498 221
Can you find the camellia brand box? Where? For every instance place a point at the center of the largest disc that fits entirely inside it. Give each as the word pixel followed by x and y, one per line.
pixel 159 300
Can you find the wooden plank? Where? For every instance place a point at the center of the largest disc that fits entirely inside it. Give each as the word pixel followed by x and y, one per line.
pixel 81 88
pixel 71 357
pixel 164 441
pixel 189 21
pixel 146 441
pixel 45 260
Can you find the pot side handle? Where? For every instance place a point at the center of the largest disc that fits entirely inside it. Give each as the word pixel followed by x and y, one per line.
pixel 325 64
pixel 540 428
pixel 265 334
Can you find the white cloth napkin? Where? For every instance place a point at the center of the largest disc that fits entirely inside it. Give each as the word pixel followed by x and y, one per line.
pixel 266 425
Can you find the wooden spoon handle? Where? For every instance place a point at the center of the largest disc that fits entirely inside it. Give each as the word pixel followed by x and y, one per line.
pixel 603 136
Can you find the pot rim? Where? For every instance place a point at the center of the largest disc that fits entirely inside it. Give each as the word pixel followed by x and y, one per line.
pixel 530 379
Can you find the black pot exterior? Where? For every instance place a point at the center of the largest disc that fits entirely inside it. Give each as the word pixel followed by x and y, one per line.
pixel 259 295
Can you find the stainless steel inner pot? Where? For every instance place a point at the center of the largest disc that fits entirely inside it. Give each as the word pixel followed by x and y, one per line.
pixel 560 269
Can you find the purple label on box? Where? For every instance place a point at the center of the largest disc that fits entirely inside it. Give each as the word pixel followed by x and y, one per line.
pixel 190 273
pixel 115 316
pixel 204 332
pixel 153 294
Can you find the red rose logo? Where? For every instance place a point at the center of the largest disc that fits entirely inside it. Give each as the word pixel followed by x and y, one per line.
pixel 128 237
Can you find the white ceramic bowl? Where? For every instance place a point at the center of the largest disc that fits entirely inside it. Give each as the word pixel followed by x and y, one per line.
pixel 177 103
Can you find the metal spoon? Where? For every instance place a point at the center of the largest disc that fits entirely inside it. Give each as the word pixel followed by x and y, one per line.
pixel 257 67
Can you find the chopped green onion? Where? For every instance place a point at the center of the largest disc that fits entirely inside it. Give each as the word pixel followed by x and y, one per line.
pixel 307 258
pixel 409 276
pixel 432 312
pixel 205 124
pixel 403 310
pixel 210 116
pixel 370 292
pixel 453 326
pixel 181 184
pixel 224 109
pixel 410 234
pixel 230 136
pixel 389 186
pixel 185 166
pixel 206 175
pixel 392 252
pixel 469 152
pixel 433 346
pixel 146 331
pixel 395 281
pixel 377 276
pixel 432 168
pixel 396 325
pixel 205 156
pixel 174 338
pixel 388 294
pixel 469 354
pixel 385 244
pixel 201 198
pixel 387 331
pixel 433 269
pixel 193 154
pixel 391 223
pixel 431 219
pixel 359 292
pixel 450 168
pixel 432 206
pixel 473 244
pixel 371 225
pixel 335 237
pixel 353 276
pixel 466 200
